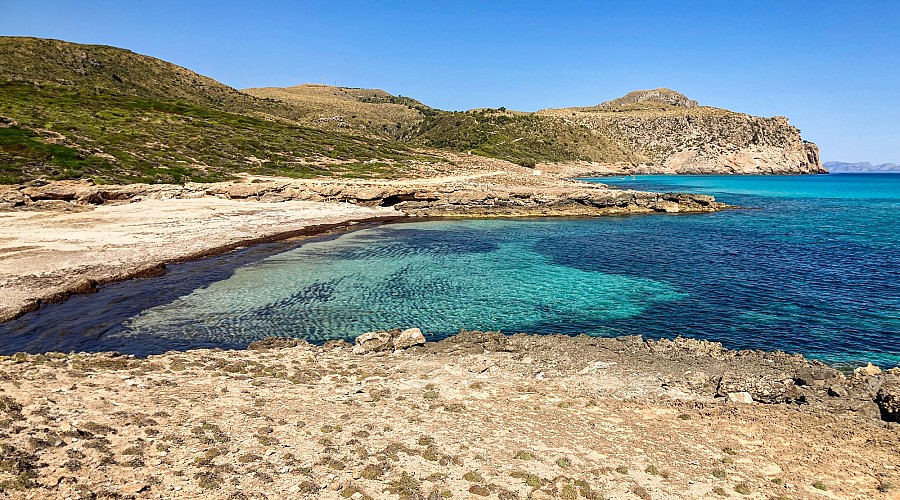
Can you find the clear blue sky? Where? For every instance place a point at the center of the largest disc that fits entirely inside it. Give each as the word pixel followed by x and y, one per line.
pixel 832 67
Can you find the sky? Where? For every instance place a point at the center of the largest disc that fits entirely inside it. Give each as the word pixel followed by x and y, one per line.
pixel 832 67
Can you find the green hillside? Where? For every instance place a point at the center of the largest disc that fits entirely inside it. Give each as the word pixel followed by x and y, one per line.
pixel 85 111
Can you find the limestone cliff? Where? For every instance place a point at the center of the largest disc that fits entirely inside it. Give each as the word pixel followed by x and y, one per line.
pixel 668 133
pixel 645 131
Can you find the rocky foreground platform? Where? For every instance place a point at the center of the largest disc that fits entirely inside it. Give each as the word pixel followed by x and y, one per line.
pixel 475 415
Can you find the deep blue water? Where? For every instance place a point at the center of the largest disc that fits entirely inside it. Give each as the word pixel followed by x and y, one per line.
pixel 811 265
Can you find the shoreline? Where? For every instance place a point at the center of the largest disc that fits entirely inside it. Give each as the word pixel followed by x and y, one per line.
pixel 90 286
pixel 474 414
pixel 52 256
pixel 50 267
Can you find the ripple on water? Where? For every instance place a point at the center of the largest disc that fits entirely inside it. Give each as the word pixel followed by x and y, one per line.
pixel 313 293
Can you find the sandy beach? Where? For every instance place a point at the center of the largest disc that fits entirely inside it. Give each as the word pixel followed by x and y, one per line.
pixel 50 253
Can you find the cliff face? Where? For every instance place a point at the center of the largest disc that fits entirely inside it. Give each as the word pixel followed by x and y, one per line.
pixel 645 131
pixel 714 142
pixel 670 134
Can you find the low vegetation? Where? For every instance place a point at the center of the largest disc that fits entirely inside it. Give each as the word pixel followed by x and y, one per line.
pixel 62 132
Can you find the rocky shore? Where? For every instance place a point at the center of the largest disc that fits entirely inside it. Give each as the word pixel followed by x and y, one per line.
pixel 522 193
pixel 479 414
pixel 475 415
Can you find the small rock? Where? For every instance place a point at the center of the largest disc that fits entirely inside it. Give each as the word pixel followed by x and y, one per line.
pixel 740 397
pixel 135 488
pixel 408 338
pixel 479 366
pixel 867 371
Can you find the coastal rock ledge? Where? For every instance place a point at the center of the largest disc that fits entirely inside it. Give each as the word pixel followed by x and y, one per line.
pixel 476 414
pixel 455 198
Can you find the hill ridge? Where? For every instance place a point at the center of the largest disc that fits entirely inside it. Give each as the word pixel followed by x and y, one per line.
pixel 70 110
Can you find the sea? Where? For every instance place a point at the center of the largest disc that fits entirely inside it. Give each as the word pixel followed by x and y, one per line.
pixel 807 264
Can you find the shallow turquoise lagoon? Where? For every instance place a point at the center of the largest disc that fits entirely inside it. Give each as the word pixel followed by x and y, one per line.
pixel 811 264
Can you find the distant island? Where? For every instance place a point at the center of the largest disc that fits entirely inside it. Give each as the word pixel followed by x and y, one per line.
pixel 840 167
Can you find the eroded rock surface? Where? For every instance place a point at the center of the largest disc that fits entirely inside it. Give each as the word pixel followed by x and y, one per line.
pixel 477 414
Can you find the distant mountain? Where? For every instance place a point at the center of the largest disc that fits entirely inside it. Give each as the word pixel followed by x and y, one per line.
pixel 839 167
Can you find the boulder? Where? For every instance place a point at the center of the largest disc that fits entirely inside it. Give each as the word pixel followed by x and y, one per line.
pixel 388 340
pixel 867 371
pixel 408 338
pixel 740 397
pixel 373 342
pixel 814 375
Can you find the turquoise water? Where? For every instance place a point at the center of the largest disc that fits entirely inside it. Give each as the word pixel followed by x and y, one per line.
pixel 811 266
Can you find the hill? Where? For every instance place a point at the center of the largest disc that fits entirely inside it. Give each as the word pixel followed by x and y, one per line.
pixel 655 131
pixel 89 111
pixel 839 167
pixel 366 111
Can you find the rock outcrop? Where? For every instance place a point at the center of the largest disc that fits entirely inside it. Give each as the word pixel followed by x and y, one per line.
pixel 888 398
pixel 661 96
pixel 522 196
pixel 388 340
pixel 705 141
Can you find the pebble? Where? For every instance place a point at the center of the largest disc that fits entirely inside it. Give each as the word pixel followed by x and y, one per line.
pixel 740 397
